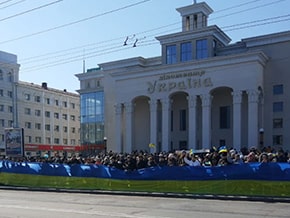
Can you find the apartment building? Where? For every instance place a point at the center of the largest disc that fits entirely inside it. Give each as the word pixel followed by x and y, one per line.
pixel 49 117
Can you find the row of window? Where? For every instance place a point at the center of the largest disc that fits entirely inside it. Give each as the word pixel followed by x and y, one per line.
pixel 9 93
pixel 186 51
pixel 47 127
pixel 48 101
pixel 37 112
pixel 9 108
pixel 9 76
pixel 224 119
pixel 48 140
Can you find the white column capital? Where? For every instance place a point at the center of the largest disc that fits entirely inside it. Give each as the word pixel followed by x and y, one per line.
pixel 237 96
pixel 153 104
pixel 118 108
pixel 191 101
pixel 166 103
pixel 128 107
pixel 206 100
pixel 253 95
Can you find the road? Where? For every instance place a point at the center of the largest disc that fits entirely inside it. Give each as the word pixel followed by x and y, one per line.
pixel 36 204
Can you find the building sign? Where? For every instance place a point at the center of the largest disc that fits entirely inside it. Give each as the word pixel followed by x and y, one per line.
pixel 179 81
pixel 14 142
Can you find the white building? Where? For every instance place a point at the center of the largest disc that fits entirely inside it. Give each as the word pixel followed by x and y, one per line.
pixel 49 117
pixel 201 92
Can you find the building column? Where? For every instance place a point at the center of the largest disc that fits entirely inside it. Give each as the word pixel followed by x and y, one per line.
pixel 253 97
pixel 237 116
pixel 165 123
pixel 118 127
pixel 128 127
pixel 206 120
pixel 191 121
pixel 153 123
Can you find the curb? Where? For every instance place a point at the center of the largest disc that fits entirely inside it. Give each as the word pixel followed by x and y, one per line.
pixel 153 194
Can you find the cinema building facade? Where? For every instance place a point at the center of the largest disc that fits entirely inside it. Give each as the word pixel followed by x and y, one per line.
pixel 201 92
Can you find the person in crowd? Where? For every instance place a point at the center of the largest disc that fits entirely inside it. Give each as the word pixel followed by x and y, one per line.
pixel 207 160
pixel 172 160
pixel 191 160
pixel 264 158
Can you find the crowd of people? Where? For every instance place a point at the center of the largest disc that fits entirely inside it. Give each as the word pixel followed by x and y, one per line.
pixel 141 159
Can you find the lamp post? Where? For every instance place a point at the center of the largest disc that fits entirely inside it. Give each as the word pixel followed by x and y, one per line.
pixel 105 144
pixel 261 131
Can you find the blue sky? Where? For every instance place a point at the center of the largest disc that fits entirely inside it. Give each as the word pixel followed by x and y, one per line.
pixel 52 38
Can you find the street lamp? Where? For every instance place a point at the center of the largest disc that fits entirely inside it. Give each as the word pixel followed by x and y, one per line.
pixel 261 131
pixel 105 144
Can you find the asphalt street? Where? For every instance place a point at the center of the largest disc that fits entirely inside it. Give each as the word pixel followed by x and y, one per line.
pixel 37 204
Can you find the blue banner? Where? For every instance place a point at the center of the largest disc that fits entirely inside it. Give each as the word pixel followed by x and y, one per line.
pixel 253 171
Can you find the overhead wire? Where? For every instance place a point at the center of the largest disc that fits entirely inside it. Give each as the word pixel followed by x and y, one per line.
pixel 15 3
pixel 116 49
pixel 4 2
pixel 152 30
pixel 30 10
pixel 75 22
pixel 152 42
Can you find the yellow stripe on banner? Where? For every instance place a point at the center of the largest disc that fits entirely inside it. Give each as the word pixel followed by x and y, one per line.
pixel 213 187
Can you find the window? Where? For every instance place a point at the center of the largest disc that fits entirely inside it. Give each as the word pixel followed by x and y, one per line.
pixel 72 141
pixel 1 92
pixel 171 54
pixel 48 140
pixel 72 105
pixel 65 141
pixel 64 116
pixel 186 51
pixel 56 102
pixel 278 89
pixel 27 97
pixel 225 117
pixel 1 75
pixel 1 107
pixel 201 49
pixel 38 139
pixel 2 137
pixel 56 140
pixel 72 117
pixel 10 123
pixel 10 109
pixel 187 23
pixel 10 94
pixel 27 111
pixel 277 139
pixel 2 122
pixel 65 128
pixel 37 113
pixel 47 127
pixel 37 98
pixel 47 114
pixel 182 120
pixel 38 126
pixel 28 139
pixel 278 106
pixel 10 77
pixel 56 128
pixel 28 125
pixel 73 130
pixel 47 100
pixel 64 103
pixel 56 115
pixel 277 123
